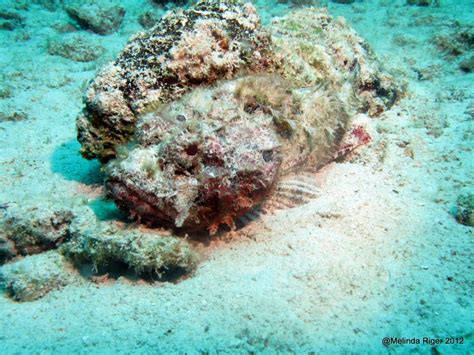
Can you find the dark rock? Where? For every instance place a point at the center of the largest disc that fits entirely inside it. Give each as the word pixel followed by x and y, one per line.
pixel 7 249
pixel 10 20
pixel 456 42
pixel 422 2
pixel 14 116
pixel 65 27
pixel 176 2
pixel 304 2
pixel 467 65
pixel 464 211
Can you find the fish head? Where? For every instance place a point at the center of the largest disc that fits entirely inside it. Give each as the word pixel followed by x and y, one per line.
pixel 197 176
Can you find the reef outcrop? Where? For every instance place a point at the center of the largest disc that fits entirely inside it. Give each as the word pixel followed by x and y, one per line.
pixel 212 41
pixel 39 247
pixel 102 17
pixel 31 278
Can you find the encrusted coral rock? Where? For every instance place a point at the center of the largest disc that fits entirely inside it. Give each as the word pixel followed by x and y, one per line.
pixel 210 110
pixel 33 230
pixel 75 47
pixel 102 17
pixel 31 278
pixel 464 211
pixel 457 41
pixel 27 231
pixel 214 40
pixel 321 50
pixel 145 253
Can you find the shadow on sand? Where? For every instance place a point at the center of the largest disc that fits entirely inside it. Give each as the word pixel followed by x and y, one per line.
pixel 68 162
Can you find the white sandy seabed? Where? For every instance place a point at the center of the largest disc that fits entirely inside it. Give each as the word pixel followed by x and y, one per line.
pixel 378 254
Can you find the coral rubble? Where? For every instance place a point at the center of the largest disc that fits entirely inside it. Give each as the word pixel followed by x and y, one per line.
pixel 212 41
pixel 75 47
pixel 31 278
pixel 58 237
pixel 101 17
pixel 145 253
pixel 34 230
pixel 464 211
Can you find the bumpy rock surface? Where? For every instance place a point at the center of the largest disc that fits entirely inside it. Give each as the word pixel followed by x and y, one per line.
pixel 231 109
pixel 31 278
pixel 145 253
pixel 75 47
pixel 464 211
pixel 457 41
pixel 212 41
pixel 59 236
pixel 33 230
pixel 102 17
pixel 319 50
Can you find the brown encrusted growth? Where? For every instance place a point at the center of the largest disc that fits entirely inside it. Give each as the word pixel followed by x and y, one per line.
pixel 33 277
pixel 34 230
pixel 212 41
pixel 145 253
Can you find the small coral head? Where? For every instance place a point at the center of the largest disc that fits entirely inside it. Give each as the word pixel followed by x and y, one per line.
pixel 198 179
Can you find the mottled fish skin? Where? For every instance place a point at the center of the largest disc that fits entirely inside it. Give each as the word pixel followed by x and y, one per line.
pixel 199 128
pixel 217 153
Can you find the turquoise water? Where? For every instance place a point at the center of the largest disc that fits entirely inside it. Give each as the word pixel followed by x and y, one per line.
pixel 369 253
